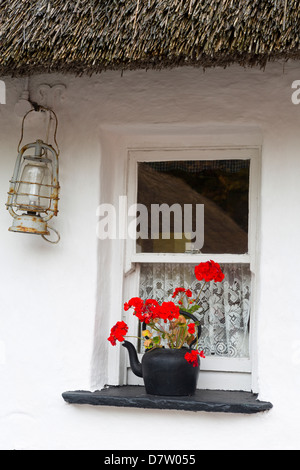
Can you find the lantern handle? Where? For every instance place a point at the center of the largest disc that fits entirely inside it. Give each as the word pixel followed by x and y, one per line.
pixel 40 108
pixel 50 241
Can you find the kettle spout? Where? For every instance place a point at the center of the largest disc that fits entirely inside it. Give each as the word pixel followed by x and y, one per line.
pixel 135 364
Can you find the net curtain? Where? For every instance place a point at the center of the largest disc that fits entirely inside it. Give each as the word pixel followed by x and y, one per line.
pixel 224 311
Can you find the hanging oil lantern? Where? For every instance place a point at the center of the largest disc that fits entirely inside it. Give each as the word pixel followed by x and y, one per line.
pixel 34 187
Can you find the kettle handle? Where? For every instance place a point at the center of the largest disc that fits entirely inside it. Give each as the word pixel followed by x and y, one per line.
pixel 199 328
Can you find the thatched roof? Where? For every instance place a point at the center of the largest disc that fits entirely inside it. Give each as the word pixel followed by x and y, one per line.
pixel 86 36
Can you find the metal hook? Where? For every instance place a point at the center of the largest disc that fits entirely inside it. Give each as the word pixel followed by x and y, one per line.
pixel 40 108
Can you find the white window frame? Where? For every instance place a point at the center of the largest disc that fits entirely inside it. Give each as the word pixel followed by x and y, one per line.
pixel 216 372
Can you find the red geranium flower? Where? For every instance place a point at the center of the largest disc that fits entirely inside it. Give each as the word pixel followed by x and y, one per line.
pixel 168 311
pixel 187 292
pixel 209 271
pixel 191 328
pixel 145 310
pixel 118 332
pixel 177 291
pixel 135 303
pixel 192 357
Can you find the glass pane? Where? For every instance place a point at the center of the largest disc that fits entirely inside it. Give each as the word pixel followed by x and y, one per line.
pixel 224 308
pixel 221 186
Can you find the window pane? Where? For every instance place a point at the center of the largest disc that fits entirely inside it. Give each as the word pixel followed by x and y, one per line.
pixel 222 186
pixel 224 311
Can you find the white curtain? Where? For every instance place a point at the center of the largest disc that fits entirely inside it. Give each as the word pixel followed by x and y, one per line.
pixel 225 307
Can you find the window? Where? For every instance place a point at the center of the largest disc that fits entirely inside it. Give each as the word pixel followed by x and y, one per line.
pixel 193 205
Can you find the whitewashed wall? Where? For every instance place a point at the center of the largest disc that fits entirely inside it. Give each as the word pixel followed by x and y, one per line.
pixel 56 305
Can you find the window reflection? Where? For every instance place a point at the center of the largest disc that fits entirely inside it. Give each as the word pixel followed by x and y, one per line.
pixel 221 185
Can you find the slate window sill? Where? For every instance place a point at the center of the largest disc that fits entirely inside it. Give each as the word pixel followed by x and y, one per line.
pixel 203 400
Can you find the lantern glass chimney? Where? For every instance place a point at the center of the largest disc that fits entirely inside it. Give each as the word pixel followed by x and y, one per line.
pixel 34 189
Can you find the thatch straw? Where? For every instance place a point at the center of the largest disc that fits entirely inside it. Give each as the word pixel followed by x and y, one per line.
pixel 86 36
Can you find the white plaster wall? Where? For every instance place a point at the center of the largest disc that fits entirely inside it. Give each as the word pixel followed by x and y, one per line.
pixel 57 305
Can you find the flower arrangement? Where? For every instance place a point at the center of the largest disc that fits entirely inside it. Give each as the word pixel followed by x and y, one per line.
pixel 166 324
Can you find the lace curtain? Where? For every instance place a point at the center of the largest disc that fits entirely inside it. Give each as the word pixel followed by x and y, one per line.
pixel 225 307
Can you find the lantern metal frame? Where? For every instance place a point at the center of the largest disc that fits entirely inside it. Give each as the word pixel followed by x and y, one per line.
pixel 35 218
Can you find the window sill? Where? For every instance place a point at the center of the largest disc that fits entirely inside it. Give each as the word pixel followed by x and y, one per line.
pixel 204 400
